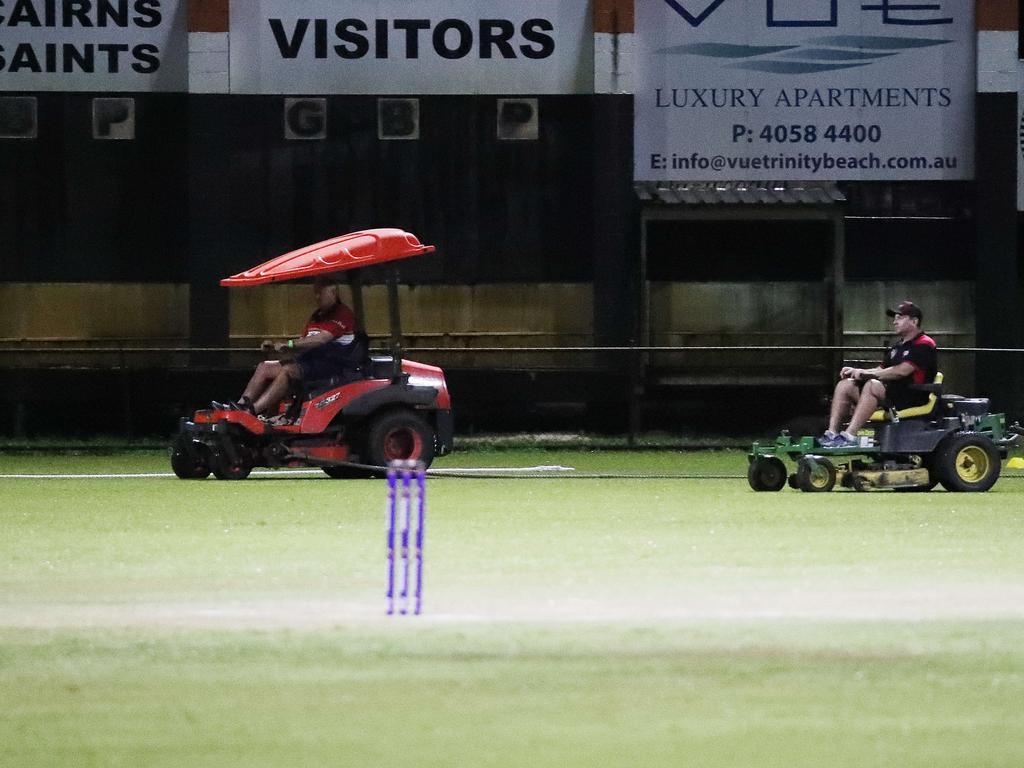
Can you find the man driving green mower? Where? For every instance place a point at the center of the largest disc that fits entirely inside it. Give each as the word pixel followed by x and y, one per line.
pixel 911 360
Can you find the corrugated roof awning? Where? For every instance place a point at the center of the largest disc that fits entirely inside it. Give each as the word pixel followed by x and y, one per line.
pixel 739 192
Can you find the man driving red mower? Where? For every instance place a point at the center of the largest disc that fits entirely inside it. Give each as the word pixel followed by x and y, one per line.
pixel 324 350
pixel 352 412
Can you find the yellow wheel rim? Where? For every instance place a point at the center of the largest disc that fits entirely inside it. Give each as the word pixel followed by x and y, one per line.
pixel 972 464
pixel 819 477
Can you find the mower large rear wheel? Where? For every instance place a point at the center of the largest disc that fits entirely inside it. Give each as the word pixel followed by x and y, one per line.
pixel 766 473
pixel 967 463
pixel 189 459
pixel 399 436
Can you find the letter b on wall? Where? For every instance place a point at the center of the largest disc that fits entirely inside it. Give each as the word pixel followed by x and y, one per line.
pixel 398 118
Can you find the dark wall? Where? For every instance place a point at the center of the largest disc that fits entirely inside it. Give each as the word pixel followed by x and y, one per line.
pixel 76 209
pixel 210 186
pixel 211 178
pixel 894 231
pixel 893 249
pixel 496 210
pixel 741 250
pixel 999 286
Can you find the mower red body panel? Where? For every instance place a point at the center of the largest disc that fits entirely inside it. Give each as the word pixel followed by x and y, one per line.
pixel 320 411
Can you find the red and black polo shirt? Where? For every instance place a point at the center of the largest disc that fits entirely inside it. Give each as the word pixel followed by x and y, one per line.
pixel 921 353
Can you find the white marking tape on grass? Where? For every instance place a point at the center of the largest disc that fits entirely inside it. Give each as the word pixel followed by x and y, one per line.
pixel 263 472
pixel 133 475
pixel 96 476
pixel 499 470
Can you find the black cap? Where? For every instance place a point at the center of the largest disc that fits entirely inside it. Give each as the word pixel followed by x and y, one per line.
pixel 906 308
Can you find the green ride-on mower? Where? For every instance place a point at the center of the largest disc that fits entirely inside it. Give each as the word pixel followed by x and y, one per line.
pixel 950 441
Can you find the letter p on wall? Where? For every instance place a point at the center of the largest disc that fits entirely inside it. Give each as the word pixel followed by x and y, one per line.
pixel 113 118
pixel 518 119
pixel 18 117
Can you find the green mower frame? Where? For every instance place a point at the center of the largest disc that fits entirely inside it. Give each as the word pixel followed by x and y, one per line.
pixel 959 446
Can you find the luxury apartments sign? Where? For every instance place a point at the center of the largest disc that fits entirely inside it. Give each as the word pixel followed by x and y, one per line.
pixel 804 89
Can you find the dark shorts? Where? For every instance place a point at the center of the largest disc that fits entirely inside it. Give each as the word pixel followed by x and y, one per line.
pixel 323 362
pixel 898 395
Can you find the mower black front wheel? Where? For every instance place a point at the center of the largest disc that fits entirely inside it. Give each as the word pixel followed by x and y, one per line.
pixel 817 475
pixel 224 468
pixel 766 473
pixel 189 458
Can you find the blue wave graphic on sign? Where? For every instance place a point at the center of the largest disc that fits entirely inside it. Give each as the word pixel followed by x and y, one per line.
pixel 819 54
pixel 794 67
pixel 726 50
pixel 879 43
pixel 834 54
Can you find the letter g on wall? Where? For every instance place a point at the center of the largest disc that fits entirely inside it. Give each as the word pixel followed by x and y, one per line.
pixel 305 118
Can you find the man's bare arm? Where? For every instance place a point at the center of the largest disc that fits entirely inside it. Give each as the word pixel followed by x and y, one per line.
pixel 893 373
pixel 305 343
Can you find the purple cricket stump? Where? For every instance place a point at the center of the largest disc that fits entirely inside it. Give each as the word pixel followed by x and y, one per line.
pixel 404 518
pixel 421 484
pixel 389 520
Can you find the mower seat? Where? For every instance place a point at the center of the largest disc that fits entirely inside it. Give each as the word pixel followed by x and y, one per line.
pixel 381 367
pixel 356 367
pixel 314 388
pixel 934 390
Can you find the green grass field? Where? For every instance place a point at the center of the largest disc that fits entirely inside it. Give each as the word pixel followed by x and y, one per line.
pixel 568 621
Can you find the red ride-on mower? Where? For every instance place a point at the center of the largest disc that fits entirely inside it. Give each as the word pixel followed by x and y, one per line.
pixel 381 409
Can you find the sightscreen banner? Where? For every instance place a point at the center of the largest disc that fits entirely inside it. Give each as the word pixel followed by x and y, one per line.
pixel 411 47
pixel 804 90
pixel 118 45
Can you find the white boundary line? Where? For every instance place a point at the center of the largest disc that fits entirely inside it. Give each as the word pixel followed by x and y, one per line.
pixel 268 473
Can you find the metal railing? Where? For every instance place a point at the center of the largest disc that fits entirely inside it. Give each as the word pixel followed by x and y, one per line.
pixel 707 365
pixel 128 350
